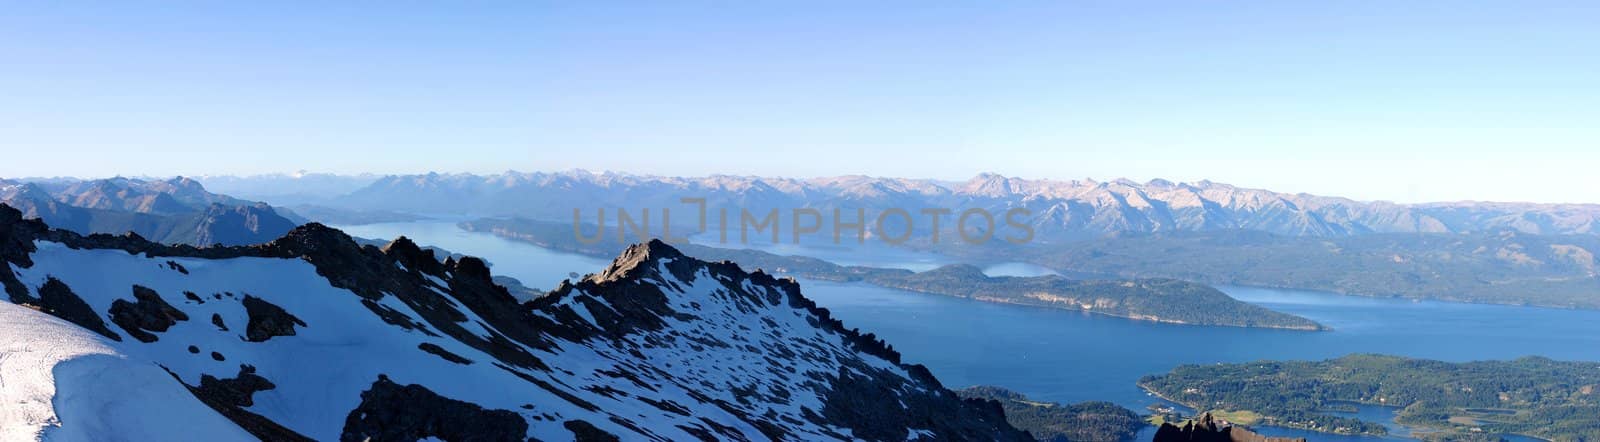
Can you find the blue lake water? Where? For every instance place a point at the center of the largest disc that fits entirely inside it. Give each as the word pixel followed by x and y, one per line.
pixel 536 267
pixel 870 253
pixel 1067 356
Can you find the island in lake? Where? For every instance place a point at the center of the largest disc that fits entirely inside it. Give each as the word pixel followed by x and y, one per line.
pixel 1531 396
pixel 1152 299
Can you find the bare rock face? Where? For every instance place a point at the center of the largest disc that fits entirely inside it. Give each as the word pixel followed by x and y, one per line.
pixel 1205 428
pixel 149 313
pixel 394 412
pixel 230 396
pixel 267 320
pixel 57 299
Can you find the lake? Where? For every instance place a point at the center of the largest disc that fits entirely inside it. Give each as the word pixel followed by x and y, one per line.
pixel 536 267
pixel 1067 356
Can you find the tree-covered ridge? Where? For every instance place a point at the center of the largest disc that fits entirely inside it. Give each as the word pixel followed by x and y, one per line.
pixel 1533 396
pixel 1161 300
pixel 1049 421
pixel 1501 267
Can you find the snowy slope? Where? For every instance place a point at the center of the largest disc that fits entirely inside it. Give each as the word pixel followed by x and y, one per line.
pixel 314 337
pixel 63 383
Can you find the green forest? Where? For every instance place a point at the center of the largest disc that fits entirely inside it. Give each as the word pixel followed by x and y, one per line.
pixel 1532 396
pixel 1049 421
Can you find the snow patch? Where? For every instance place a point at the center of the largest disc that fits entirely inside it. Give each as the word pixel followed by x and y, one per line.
pixel 60 382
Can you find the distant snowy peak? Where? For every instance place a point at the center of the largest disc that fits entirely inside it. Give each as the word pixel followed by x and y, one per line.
pixel 1066 210
pixel 299 187
pixel 313 337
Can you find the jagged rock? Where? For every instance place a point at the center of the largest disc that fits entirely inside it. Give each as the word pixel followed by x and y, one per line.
pixel 392 412
pixel 149 313
pixel 267 320
pixel 57 299
pixel 407 253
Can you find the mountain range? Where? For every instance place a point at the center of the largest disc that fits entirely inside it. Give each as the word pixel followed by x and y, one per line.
pixel 314 337
pixel 1062 210
pixel 288 189
pixel 177 210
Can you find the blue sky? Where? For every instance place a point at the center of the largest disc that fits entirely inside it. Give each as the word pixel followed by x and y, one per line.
pixel 1405 101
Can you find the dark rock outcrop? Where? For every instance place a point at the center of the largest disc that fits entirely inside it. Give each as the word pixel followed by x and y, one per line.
pixel 237 391
pixel 392 412
pixel 57 299
pixel 583 431
pixel 442 353
pixel 1205 428
pixel 148 313
pixel 230 396
pixel 267 320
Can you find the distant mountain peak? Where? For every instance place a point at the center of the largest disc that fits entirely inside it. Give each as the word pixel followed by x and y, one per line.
pixel 1065 210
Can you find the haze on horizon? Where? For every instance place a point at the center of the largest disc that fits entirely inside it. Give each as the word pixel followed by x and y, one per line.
pixel 1427 101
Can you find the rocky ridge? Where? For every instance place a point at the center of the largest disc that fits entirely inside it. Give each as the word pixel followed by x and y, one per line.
pixel 657 346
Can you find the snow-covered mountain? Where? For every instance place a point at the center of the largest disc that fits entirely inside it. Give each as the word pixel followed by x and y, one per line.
pixel 314 337
pixel 1062 210
pixel 296 188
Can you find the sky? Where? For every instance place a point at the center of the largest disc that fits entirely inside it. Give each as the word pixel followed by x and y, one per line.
pixel 1402 101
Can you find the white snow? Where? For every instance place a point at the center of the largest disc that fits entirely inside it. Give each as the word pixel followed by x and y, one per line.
pixel 321 371
pixel 61 382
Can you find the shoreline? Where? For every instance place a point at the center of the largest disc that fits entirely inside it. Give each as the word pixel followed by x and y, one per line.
pixel 534 240
pixel 1264 416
